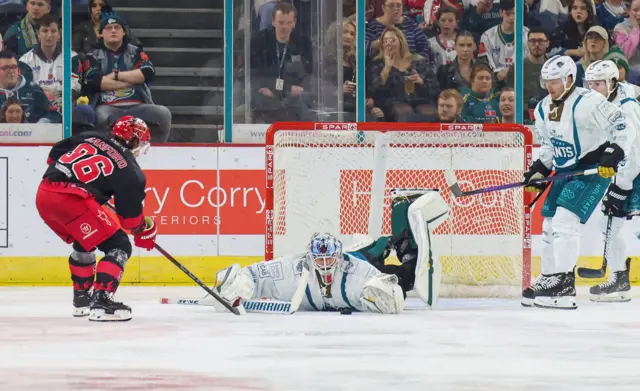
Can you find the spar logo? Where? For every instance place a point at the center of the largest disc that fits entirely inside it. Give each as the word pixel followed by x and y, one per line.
pixel 498 213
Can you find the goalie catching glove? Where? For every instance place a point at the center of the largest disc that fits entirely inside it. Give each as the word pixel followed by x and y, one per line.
pixel 382 294
pixel 146 236
pixel 232 284
pixel 537 171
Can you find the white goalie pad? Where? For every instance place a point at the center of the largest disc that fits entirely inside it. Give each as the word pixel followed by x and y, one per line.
pixel 425 215
pixel 382 294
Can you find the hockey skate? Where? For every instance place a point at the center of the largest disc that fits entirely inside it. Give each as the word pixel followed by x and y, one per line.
pixel 616 290
pixel 529 294
pixel 105 309
pixel 557 291
pixel 81 302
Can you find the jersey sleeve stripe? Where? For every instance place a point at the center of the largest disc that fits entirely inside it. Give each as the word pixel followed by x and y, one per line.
pixel 576 138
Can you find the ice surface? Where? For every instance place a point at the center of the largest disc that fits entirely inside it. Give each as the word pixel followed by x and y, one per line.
pixel 488 345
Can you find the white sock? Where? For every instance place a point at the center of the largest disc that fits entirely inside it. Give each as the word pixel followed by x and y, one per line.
pixel 616 253
pixel 566 234
pixel 547 264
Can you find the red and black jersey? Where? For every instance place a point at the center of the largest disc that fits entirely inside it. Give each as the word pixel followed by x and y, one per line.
pixel 105 168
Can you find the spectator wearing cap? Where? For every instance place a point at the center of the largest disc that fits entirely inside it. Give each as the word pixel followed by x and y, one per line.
pixel 22 36
pixel 393 17
pixel 596 47
pixel 36 104
pixel 121 72
pixel 46 62
pixel 498 43
pixel 568 38
pixel 86 36
pixel 84 119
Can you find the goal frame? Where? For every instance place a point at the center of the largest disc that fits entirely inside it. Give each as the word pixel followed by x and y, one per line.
pixel 384 127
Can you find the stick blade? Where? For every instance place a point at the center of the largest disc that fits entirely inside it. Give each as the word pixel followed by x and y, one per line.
pixel 591 273
pixel 452 182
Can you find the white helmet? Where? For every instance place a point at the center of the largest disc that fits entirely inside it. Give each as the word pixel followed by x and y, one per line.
pixel 559 67
pixel 603 70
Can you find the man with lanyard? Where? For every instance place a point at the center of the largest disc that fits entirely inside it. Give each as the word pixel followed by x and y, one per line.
pixel 278 75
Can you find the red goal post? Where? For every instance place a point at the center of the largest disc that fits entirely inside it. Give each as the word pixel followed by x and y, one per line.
pixel 336 177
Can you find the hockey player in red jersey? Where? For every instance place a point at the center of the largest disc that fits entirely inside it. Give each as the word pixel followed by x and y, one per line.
pixel 84 172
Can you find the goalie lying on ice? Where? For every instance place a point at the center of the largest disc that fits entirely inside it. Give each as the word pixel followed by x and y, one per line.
pixel 354 278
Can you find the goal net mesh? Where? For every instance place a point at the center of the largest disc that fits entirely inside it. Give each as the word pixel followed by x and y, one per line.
pixel 339 181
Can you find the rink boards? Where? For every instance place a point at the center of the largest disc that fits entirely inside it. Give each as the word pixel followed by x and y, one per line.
pixel 208 202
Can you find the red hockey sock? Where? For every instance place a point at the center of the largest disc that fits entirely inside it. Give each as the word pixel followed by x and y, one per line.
pixel 82 274
pixel 108 275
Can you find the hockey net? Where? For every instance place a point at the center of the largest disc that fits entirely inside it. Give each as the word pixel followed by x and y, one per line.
pixel 337 178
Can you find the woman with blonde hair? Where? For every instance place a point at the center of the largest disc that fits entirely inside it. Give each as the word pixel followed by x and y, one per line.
pixel 402 84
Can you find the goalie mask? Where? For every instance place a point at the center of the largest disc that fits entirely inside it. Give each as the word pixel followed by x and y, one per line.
pixel 325 251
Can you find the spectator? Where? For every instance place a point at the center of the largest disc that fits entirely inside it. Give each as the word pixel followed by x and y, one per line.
pixel 548 14
pixel 443 44
pixel 12 112
pixel 84 119
pixel 415 10
pixel 498 43
pixel 281 65
pixel 121 72
pixel 35 103
pixel 347 65
pixel 22 36
pixel 46 62
pixel 596 45
pixel 431 11
pixel 86 36
pixel 401 82
pixel 538 43
pixel 481 104
pixel 611 12
pixel 458 74
pixel 415 38
pixel 627 36
pixel 568 38
pixel 449 106
pixel 375 9
pixel 507 106
pixel 481 17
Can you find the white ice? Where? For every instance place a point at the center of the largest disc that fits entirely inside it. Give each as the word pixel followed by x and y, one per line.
pixel 479 345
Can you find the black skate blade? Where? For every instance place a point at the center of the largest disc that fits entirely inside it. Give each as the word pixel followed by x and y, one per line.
pixel 592 273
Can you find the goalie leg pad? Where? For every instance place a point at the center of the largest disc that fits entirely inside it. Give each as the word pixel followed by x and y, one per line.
pixel 383 295
pixel 367 249
pixel 232 284
pixel 425 215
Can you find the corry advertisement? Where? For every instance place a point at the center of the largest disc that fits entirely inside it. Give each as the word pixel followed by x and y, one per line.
pixel 207 201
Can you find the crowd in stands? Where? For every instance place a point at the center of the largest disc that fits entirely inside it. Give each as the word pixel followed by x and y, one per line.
pixel 110 70
pixel 426 59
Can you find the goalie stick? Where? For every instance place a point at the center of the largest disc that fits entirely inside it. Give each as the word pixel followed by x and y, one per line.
pixel 452 182
pixel 264 306
pixel 599 273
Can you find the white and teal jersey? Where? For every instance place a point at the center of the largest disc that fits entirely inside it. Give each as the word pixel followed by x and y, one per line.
pixel 629 168
pixel 278 280
pixel 584 121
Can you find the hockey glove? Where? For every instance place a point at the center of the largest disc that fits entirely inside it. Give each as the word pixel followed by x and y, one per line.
pixel 611 157
pixel 147 237
pixel 537 171
pixel 613 202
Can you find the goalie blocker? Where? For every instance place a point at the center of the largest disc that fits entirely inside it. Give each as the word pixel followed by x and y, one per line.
pixel 357 278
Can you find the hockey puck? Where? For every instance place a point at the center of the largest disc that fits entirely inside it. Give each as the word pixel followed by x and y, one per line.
pixel 345 311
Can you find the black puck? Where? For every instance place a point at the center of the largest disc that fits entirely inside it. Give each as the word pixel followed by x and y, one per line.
pixel 345 311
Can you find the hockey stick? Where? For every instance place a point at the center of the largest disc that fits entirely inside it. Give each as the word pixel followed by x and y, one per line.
pixel 186 271
pixel 452 182
pixel 599 273
pixel 264 306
